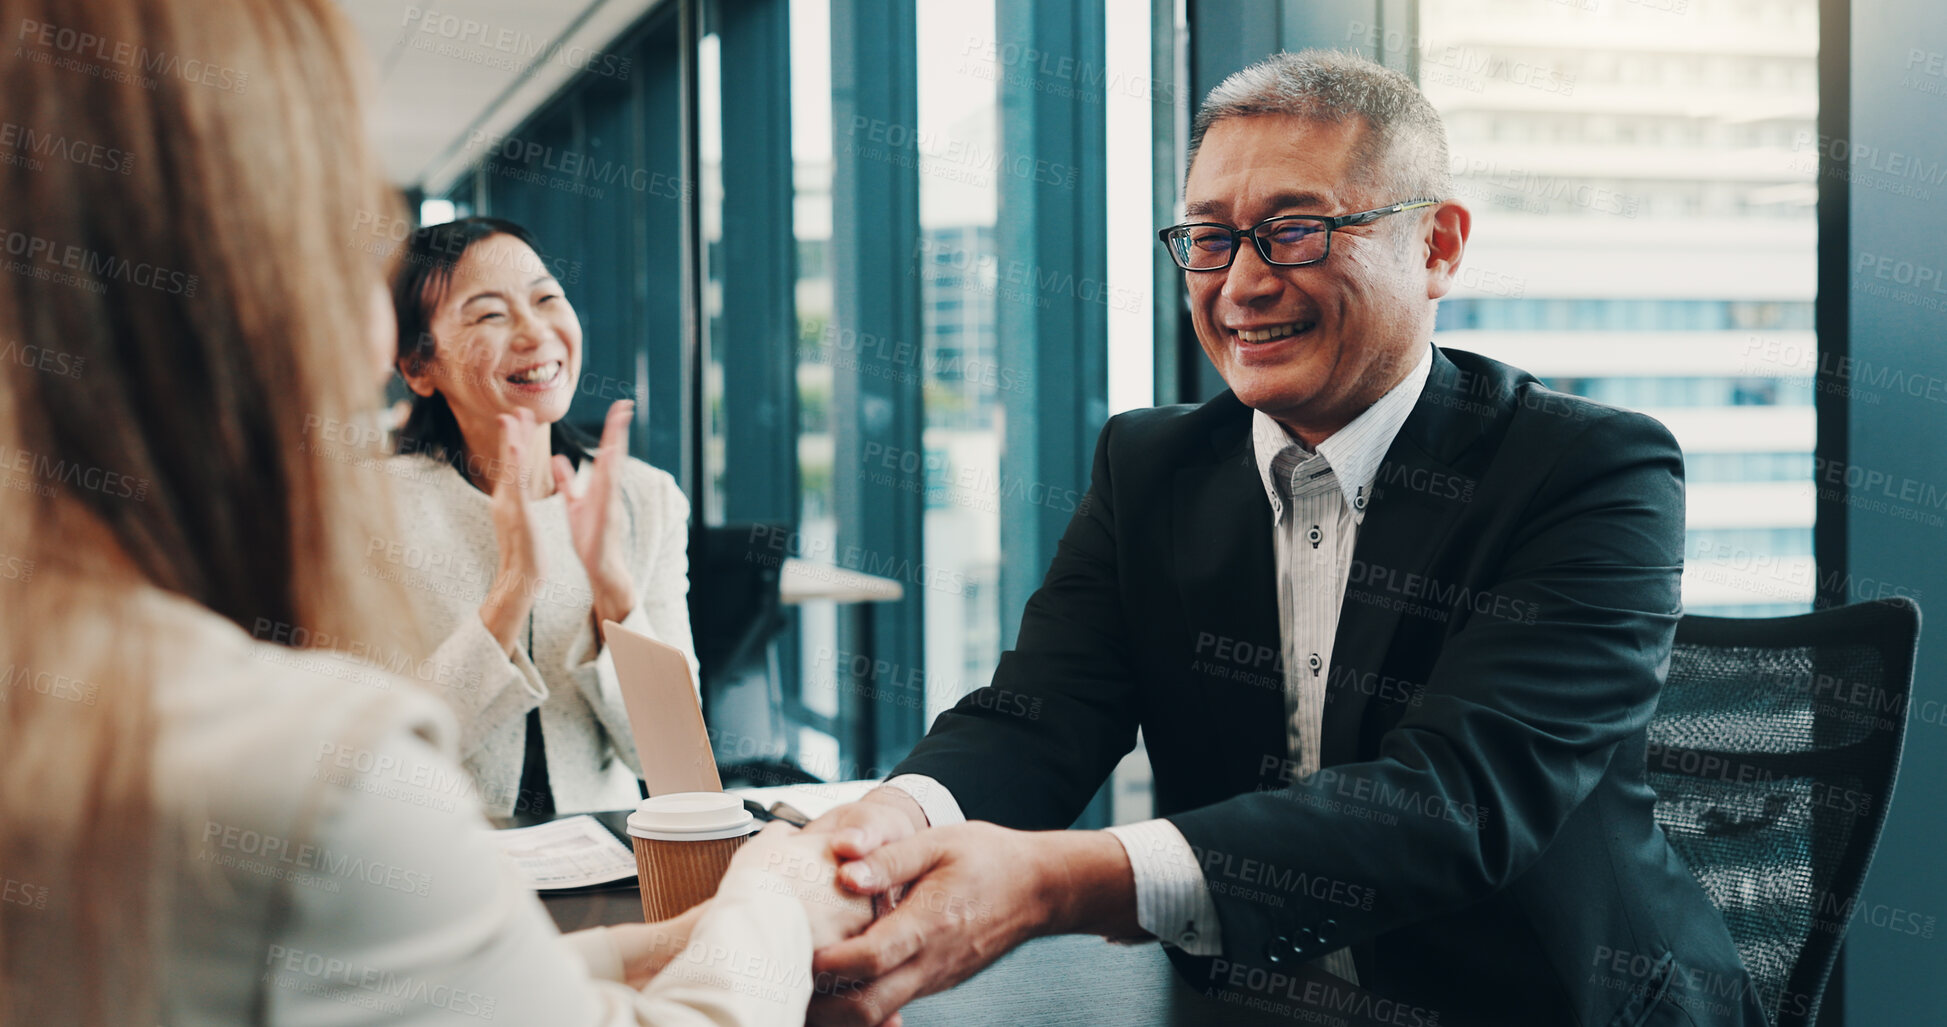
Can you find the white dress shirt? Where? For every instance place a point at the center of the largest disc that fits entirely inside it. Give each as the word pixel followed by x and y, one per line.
pixel 1318 500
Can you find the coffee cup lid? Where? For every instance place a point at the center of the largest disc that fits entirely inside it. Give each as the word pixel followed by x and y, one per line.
pixel 691 817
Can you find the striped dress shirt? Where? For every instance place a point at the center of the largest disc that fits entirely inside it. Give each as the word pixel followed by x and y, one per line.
pixel 1318 500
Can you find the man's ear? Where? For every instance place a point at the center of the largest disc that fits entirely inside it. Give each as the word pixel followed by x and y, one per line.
pixel 1445 243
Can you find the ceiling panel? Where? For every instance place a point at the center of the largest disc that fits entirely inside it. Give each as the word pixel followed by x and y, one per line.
pixel 455 74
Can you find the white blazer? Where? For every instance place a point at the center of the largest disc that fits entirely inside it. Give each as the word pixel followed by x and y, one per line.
pixel 329 865
pixel 446 557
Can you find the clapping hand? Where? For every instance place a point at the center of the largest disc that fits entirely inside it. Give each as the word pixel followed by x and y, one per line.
pixel 595 518
pixel 512 593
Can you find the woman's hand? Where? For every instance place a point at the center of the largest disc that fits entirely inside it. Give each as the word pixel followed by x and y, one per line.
pixel 595 518
pixel 647 948
pixel 512 594
pixel 782 860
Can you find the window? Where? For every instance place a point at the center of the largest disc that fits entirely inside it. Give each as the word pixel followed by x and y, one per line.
pixel 959 110
pixel 1673 286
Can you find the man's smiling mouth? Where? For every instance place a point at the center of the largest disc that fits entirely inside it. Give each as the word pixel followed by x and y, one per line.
pixel 1273 332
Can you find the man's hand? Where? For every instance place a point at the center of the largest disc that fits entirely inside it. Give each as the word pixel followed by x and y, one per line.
pixel 978 890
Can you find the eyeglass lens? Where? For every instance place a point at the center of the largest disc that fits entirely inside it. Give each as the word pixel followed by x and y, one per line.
pixel 1207 247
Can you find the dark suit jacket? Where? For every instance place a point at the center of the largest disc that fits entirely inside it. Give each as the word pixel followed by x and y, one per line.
pixel 1481 835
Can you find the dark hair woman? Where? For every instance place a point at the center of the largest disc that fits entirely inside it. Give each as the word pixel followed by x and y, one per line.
pixel 521 542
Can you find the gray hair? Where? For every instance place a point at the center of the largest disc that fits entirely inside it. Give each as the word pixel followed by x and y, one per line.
pixel 1404 146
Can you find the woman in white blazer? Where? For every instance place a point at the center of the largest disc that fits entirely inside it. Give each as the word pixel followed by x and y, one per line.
pixel 214 808
pixel 515 540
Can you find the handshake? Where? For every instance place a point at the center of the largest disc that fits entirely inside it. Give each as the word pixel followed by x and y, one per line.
pixel 899 910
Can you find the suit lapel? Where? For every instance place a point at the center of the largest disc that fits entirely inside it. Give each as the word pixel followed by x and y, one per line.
pixel 1417 497
pixel 1222 551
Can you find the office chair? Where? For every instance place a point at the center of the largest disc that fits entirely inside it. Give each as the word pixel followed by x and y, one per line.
pixel 736 617
pixel 735 611
pixel 1773 753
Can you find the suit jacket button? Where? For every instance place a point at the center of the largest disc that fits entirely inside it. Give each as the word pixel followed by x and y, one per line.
pixel 1275 949
pixel 1326 931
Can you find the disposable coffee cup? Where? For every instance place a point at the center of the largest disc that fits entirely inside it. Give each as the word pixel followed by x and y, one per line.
pixel 683 843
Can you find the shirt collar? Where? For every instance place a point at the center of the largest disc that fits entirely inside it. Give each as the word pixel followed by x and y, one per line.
pixel 1355 451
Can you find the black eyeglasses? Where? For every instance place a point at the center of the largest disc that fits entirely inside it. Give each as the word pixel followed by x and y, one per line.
pixel 1290 240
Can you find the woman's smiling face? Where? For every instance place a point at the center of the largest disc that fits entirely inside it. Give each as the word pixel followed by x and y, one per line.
pixel 506 338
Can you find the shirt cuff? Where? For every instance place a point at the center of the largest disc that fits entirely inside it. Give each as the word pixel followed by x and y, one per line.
pixel 934 800
pixel 1172 899
pixel 597 951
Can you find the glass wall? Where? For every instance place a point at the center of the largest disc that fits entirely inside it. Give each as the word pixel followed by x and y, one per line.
pixel 1641 178
pixel 792 262
pixel 812 168
pixel 958 266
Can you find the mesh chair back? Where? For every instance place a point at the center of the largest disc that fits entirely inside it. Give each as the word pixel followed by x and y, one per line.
pixel 1773 753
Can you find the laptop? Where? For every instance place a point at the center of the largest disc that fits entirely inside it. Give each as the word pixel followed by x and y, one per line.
pixel 664 717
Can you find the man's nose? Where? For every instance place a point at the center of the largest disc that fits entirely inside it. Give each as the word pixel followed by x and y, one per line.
pixel 1250 279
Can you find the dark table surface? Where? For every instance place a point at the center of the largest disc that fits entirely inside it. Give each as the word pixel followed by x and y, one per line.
pixel 1070 980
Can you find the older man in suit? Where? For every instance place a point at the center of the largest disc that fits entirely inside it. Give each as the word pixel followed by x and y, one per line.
pixel 1392 620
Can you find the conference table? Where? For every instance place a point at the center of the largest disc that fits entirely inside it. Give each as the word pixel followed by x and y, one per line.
pixel 1074 980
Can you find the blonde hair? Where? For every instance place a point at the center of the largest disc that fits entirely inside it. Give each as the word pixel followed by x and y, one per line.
pixel 187 277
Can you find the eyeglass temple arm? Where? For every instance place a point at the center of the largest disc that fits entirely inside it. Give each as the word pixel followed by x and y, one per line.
pixel 1373 215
